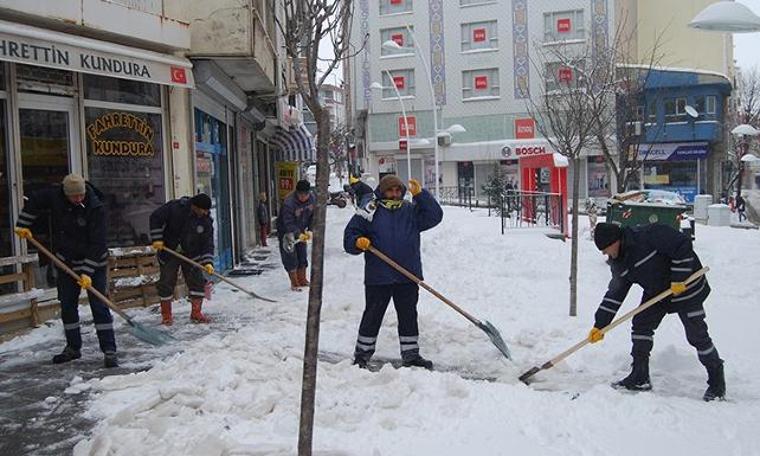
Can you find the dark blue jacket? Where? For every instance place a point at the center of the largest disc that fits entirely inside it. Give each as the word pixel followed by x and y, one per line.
pixel 653 256
pixel 79 233
pixel 262 212
pixel 176 225
pixel 395 233
pixel 295 216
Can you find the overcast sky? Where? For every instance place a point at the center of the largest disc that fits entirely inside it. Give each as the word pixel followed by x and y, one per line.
pixel 747 45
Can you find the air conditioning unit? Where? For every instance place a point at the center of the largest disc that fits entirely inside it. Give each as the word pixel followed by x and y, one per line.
pixel 444 140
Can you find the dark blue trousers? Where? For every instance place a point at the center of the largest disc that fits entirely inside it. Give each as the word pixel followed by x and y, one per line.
pixel 68 295
pixel 295 260
pixel 405 297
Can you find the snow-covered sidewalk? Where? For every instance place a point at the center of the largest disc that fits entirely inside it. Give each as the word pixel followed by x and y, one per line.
pixel 237 391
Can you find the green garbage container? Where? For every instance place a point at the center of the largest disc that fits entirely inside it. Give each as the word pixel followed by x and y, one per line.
pixel 633 213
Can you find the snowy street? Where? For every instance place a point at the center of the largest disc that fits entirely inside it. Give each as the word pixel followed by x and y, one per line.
pixel 233 387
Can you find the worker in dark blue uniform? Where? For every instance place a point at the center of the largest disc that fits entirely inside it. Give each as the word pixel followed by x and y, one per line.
pixel 183 225
pixel 656 257
pixel 78 220
pixel 394 230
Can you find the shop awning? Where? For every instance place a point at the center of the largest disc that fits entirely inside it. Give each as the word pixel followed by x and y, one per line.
pixel 296 144
pixel 47 48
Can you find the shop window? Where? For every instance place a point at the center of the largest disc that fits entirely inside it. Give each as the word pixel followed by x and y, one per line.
pixel 401 36
pixel 402 79
pixel 116 90
pixel 395 6
pixel 675 110
pixel 480 35
pixel 563 26
pixel 49 81
pixel 125 158
pixel 480 83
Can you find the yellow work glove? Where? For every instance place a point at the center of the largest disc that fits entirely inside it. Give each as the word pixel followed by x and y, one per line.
pixel 209 269
pixel 305 236
pixel 363 243
pixel 595 335
pixel 677 288
pixel 414 187
pixel 23 233
pixel 85 281
pixel 158 245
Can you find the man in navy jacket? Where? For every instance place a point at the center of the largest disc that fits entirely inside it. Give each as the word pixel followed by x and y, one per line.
pixel 394 230
pixel 657 258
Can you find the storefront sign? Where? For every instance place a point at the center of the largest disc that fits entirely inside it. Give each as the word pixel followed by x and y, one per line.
pixel 398 38
pixel 481 82
pixel 408 128
pixel 399 82
pixel 121 134
pixel 563 25
pixel 386 164
pixel 673 151
pixel 287 175
pixel 479 35
pixel 525 128
pixel 153 68
pixel 521 151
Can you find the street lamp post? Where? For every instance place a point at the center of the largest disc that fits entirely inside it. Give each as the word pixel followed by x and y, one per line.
pixel 378 86
pixel 743 132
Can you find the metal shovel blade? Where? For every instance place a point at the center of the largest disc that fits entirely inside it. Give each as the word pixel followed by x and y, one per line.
pixel 151 336
pixel 495 337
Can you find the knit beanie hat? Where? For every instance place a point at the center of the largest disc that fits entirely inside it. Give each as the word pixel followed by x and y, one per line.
pixel 201 200
pixel 605 234
pixel 303 186
pixel 389 181
pixel 73 184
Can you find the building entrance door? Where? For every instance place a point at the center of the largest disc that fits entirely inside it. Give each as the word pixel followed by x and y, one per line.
pixel 49 139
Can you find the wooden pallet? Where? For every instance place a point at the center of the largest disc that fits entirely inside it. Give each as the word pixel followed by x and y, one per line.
pixel 132 278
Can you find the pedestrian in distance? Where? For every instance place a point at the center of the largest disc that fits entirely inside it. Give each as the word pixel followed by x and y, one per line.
pixel 656 257
pixel 262 212
pixel 293 232
pixel 183 225
pixel 79 227
pixel 592 211
pixel 741 207
pixel 394 230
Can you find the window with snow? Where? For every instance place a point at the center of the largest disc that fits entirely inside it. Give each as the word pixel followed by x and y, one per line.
pixel 480 35
pixel 563 26
pixel 480 83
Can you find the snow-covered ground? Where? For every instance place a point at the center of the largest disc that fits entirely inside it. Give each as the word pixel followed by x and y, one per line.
pixel 238 392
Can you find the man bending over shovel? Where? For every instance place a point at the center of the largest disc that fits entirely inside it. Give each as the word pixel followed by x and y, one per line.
pixel 656 257
pixel 394 230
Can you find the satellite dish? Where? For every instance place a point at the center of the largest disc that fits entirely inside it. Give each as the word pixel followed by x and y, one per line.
pixel 691 112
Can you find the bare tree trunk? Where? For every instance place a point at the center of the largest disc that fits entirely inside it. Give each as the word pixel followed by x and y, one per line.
pixel 574 240
pixel 309 385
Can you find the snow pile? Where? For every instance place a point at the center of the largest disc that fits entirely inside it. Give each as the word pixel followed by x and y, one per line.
pixel 239 392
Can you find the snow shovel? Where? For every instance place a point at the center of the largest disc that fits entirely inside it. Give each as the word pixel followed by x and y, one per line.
pixel 486 326
pixel 150 336
pixel 221 277
pixel 553 362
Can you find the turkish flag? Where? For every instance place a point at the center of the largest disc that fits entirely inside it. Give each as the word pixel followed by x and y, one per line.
pixel 178 75
pixel 481 82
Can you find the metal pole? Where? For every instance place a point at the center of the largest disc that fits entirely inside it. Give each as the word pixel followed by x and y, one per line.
pixel 435 108
pixel 406 125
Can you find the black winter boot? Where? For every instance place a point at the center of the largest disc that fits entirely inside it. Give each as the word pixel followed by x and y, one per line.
pixel 362 362
pixel 638 379
pixel 417 361
pixel 110 360
pixel 716 383
pixel 68 354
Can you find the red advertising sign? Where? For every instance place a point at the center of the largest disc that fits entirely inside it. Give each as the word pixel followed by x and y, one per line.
pixel 563 25
pixel 481 82
pixel 402 130
pixel 398 38
pixel 402 145
pixel 399 82
pixel 479 35
pixel 396 2
pixel 525 128
pixel 565 74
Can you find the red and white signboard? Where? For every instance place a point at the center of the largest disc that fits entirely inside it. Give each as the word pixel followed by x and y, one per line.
pixel 479 35
pixel 564 25
pixel 565 74
pixel 402 126
pixel 398 38
pixel 399 82
pixel 396 2
pixel 402 145
pixel 481 82
pixel 525 128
